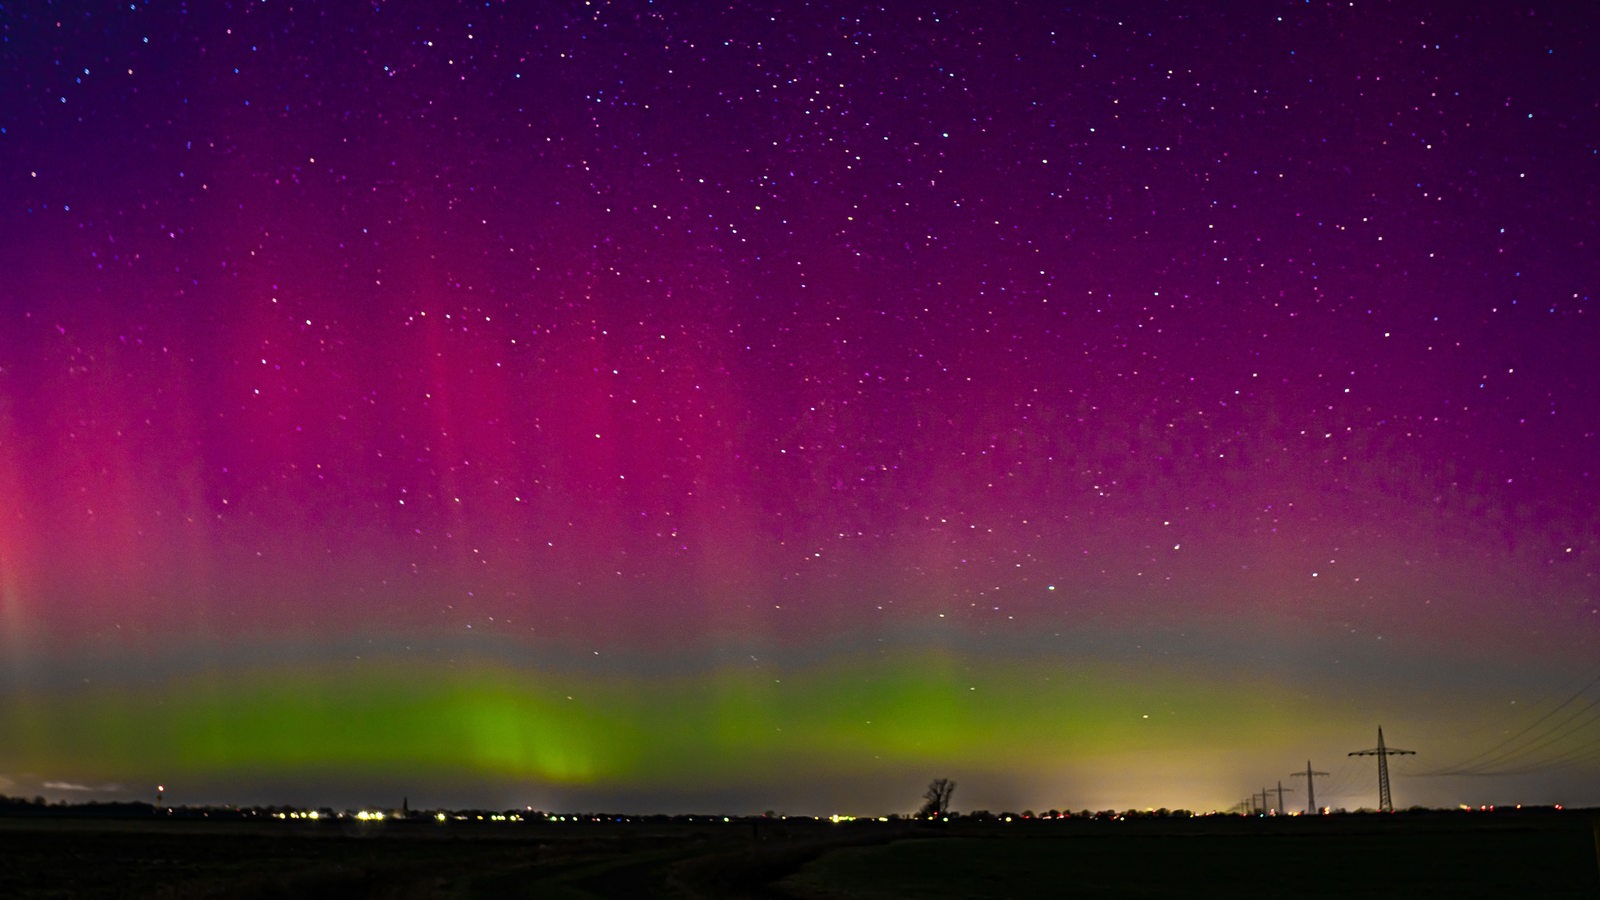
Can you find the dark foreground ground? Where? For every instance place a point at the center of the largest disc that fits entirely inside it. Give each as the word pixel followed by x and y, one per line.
pixel 1549 854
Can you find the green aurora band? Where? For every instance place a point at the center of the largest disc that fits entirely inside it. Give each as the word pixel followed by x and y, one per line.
pixel 908 711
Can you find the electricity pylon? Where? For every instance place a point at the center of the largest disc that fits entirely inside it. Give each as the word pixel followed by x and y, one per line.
pixel 1281 789
pixel 1311 788
pixel 1383 753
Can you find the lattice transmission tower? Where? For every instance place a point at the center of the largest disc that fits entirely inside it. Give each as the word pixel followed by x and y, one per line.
pixel 1311 786
pixel 1383 753
pixel 1281 790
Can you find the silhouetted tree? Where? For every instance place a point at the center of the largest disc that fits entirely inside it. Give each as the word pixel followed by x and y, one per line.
pixel 936 802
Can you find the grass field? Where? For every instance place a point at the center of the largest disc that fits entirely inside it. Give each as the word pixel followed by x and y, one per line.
pixel 1547 855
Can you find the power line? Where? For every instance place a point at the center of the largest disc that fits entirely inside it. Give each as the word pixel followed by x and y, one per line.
pixel 1581 755
pixel 1342 784
pixel 1520 752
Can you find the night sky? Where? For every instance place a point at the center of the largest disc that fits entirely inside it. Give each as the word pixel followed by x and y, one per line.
pixel 653 407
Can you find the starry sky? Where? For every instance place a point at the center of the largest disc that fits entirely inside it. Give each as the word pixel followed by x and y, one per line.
pixel 663 407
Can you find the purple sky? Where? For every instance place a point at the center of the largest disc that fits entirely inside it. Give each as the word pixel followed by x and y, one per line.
pixel 778 407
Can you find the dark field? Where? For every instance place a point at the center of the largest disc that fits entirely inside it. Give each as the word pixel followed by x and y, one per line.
pixel 1500 855
pixel 1551 858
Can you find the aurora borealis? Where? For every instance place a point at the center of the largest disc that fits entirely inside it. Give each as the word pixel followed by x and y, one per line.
pixel 655 407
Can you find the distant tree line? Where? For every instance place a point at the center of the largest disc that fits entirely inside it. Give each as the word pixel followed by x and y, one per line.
pixel 20 806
